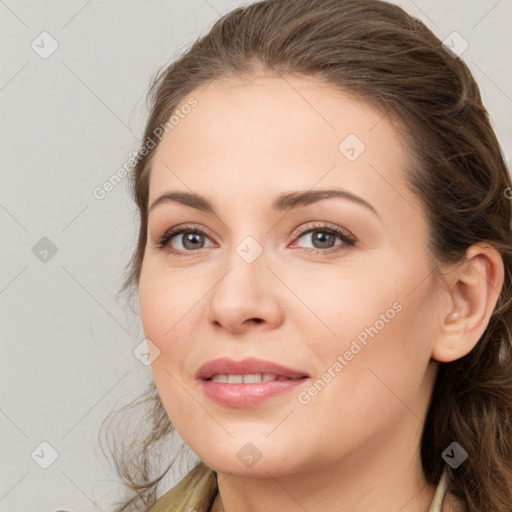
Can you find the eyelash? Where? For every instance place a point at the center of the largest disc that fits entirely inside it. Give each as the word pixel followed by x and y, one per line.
pixel 347 240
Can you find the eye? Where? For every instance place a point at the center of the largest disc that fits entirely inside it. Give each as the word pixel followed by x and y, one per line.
pixel 324 237
pixel 187 240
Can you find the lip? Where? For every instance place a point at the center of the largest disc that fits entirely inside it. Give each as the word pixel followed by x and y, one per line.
pixel 225 365
pixel 250 394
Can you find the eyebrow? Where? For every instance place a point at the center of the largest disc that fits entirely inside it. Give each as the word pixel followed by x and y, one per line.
pixel 284 202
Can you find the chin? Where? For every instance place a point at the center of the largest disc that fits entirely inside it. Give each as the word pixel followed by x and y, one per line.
pixel 249 459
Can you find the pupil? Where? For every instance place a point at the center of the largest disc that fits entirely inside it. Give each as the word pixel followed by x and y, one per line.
pixel 191 238
pixel 323 238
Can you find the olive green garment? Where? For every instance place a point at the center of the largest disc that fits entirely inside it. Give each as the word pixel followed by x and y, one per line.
pixel 197 491
pixel 194 493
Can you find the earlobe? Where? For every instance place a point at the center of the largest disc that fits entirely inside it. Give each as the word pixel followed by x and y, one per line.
pixel 474 288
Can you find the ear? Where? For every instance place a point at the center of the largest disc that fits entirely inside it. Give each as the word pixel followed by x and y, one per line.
pixel 474 287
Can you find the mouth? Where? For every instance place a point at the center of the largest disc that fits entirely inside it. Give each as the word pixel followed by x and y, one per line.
pixel 247 383
pixel 252 369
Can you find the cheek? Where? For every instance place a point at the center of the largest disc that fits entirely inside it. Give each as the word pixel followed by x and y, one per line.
pixel 166 301
pixel 170 310
pixel 383 372
pixel 380 323
pixel 160 312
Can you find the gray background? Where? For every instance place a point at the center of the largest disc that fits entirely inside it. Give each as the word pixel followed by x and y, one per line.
pixel 68 123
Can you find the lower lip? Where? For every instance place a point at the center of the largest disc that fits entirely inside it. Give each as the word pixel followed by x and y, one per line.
pixel 248 395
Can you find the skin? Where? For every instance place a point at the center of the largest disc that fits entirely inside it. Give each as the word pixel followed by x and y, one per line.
pixel 354 446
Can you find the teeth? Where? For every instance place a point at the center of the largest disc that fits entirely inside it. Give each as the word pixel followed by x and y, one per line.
pixel 219 378
pixel 251 378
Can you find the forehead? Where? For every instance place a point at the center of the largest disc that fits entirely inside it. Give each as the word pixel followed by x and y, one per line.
pixel 277 133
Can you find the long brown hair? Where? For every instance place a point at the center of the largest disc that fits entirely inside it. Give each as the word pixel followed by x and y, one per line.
pixel 393 61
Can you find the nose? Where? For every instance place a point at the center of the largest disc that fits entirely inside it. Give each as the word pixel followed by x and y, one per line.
pixel 245 296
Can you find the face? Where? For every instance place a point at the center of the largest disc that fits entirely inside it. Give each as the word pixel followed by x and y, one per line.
pixel 337 286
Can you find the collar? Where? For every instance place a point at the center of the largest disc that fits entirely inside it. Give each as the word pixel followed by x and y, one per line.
pixel 437 502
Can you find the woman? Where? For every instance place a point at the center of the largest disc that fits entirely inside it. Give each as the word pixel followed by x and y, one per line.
pixel 323 270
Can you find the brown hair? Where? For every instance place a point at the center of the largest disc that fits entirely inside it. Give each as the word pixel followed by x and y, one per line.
pixel 393 61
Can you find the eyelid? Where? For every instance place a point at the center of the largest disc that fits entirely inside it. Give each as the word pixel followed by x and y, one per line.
pixel 318 225
pixel 162 240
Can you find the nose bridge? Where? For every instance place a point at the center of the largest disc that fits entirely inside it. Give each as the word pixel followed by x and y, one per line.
pixel 246 252
pixel 246 269
pixel 246 289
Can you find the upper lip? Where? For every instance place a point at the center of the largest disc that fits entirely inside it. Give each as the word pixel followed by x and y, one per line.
pixel 251 365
